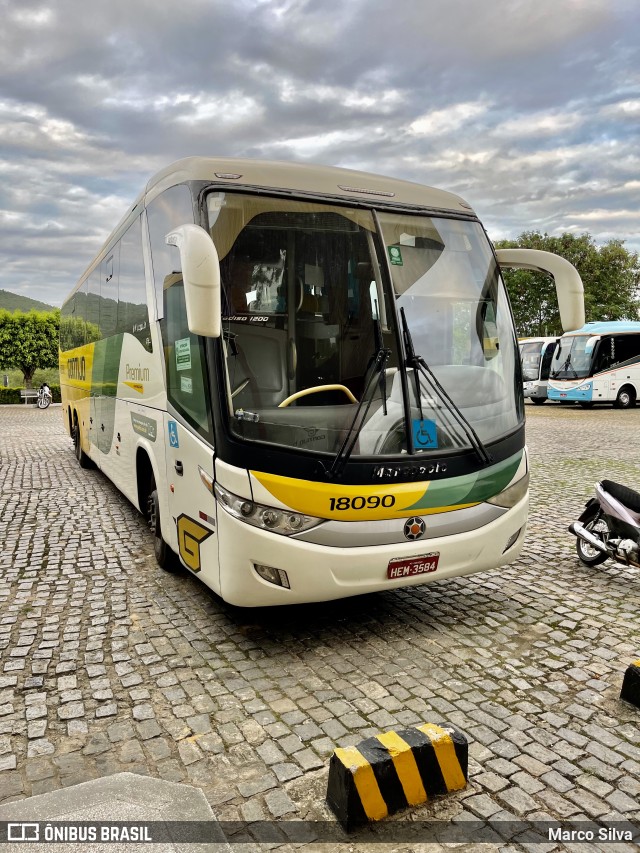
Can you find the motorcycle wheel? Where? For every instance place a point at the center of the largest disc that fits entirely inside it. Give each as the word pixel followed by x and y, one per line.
pixel 588 555
pixel 43 401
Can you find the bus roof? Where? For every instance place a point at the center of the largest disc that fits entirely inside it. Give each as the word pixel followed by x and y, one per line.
pixel 304 177
pixel 330 181
pixel 611 327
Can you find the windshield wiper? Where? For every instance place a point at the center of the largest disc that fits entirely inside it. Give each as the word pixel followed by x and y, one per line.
pixel 376 369
pixel 565 367
pixel 421 369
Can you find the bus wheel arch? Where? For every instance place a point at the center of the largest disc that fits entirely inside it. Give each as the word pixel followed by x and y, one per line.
pixel 626 397
pixel 149 504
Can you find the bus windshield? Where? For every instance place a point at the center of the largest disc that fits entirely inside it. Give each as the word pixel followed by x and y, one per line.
pixel 310 327
pixel 531 355
pixel 571 361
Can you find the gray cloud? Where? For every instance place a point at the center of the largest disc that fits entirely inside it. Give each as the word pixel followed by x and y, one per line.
pixel 527 108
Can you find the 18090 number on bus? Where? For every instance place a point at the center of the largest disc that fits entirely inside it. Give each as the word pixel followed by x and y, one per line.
pixel 360 502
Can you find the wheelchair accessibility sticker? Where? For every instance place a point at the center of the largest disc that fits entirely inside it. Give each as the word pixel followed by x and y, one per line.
pixel 173 434
pixel 424 434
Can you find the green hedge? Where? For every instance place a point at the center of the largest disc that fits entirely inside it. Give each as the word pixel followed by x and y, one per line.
pixel 12 395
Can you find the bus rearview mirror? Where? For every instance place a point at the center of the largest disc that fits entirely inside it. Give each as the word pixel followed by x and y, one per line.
pixel 568 283
pixel 201 277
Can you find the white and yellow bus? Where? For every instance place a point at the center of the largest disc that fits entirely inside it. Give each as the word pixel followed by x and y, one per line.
pixel 306 378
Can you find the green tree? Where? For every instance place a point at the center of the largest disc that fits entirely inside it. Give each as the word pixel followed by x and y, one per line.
pixel 29 341
pixel 610 275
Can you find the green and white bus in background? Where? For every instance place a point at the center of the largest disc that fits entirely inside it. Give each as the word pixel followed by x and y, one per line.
pixel 306 378
pixel 598 363
pixel 536 355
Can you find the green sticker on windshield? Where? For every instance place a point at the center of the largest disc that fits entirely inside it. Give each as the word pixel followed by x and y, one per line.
pixel 395 256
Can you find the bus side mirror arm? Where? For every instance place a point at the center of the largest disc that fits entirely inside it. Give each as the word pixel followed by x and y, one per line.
pixel 567 280
pixel 201 277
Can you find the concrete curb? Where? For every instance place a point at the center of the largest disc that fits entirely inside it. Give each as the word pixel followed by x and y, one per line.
pixel 394 770
pixel 123 797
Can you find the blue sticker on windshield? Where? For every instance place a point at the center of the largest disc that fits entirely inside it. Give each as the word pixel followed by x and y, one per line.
pixel 425 435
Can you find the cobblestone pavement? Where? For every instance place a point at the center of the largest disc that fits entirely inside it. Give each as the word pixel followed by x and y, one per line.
pixel 109 664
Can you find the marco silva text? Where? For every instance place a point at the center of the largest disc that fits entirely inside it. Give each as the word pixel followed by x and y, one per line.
pixel 603 833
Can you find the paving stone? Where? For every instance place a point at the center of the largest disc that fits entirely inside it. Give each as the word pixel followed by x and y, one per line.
pixel 130 752
pixel 518 801
pixel 40 747
pixel 71 711
pixel 279 803
pixel 158 748
pixel 8 762
pixel 36 729
pixel 148 729
pixel 97 743
pixel 143 712
pixel 77 728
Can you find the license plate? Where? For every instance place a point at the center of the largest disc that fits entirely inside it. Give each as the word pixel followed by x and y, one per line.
pixel 408 567
pixel 562 394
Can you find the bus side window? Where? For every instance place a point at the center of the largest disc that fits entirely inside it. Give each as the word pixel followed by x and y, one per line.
pixel 168 211
pixel 133 314
pixel 625 348
pixel 72 325
pixel 187 384
pixel 108 315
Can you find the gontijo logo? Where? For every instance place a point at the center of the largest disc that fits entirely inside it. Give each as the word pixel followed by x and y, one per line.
pixel 77 368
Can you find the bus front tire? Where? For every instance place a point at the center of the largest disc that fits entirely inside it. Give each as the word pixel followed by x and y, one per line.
pixel 626 398
pixel 164 555
pixel 586 404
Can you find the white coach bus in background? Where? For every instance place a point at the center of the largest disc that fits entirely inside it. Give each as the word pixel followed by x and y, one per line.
pixel 306 378
pixel 536 355
pixel 599 363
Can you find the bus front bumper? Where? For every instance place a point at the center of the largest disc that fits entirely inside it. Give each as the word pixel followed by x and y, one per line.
pixel 534 389
pixel 577 394
pixel 322 573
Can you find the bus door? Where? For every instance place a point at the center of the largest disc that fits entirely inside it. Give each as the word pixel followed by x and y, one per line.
pixel 188 443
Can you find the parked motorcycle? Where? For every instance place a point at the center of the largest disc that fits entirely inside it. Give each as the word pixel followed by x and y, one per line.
pixel 44 396
pixel 609 527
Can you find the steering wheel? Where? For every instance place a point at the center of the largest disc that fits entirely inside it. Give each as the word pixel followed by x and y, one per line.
pixel 317 389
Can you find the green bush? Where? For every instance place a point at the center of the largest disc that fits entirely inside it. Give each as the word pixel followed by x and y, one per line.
pixel 9 395
pixel 12 395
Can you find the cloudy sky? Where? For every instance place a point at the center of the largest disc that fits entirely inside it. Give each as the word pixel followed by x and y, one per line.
pixel 529 109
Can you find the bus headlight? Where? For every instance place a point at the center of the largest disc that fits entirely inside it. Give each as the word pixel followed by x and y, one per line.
pixel 512 495
pixel 282 521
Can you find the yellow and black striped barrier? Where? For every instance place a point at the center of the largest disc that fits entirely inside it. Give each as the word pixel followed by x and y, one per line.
pixel 394 770
pixel 631 684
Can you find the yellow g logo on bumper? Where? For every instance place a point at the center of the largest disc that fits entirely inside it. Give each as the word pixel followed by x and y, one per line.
pixel 190 536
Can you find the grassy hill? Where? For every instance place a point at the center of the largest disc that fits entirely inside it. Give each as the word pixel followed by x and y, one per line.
pixel 14 302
